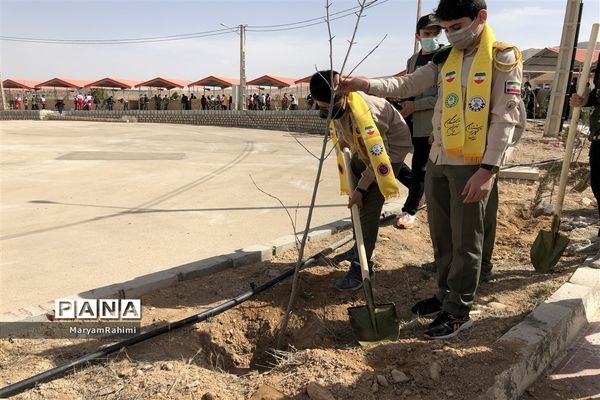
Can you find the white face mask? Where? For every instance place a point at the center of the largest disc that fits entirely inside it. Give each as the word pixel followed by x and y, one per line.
pixel 463 38
pixel 430 44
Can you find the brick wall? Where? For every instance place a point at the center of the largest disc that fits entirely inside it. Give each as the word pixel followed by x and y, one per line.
pixel 293 121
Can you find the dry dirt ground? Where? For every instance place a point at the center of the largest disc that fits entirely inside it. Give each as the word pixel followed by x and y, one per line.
pixel 230 356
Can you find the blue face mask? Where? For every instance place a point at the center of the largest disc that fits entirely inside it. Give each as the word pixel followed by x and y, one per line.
pixel 430 44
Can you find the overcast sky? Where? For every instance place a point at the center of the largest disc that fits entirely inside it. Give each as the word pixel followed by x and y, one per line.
pixel 290 53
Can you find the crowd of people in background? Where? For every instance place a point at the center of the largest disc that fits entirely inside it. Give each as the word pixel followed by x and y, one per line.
pixel 38 102
pixel 218 102
pixel 159 101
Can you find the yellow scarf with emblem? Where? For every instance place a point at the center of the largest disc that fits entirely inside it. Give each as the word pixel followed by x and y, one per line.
pixel 465 126
pixel 378 157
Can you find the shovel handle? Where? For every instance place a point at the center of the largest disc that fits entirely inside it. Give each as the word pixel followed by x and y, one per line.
pixel 360 243
pixel 581 86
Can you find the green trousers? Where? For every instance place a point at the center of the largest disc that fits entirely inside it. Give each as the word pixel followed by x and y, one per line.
pixel 489 228
pixel 457 232
pixel 370 213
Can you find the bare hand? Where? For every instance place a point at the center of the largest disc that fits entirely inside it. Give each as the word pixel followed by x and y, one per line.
pixel 577 101
pixel 408 107
pixel 478 186
pixel 353 84
pixel 355 198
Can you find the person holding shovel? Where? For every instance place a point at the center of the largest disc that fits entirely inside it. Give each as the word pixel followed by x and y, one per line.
pixel 379 140
pixel 593 100
pixel 478 108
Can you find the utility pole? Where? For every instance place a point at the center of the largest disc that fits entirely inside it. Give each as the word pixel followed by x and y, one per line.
pixel 3 97
pixel 242 90
pixel 418 17
pixel 560 85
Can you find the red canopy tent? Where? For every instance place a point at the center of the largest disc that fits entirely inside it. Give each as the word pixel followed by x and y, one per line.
pixel 163 83
pixel 272 81
pixel 112 83
pixel 19 84
pixel 63 83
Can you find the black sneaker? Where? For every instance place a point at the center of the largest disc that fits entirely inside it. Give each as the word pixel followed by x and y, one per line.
pixel 447 325
pixel 486 276
pixel 353 278
pixel 427 307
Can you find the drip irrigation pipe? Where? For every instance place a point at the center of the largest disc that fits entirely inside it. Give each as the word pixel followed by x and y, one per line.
pixel 50 374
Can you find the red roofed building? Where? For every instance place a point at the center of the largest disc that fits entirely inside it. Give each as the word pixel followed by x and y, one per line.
pixel 272 81
pixel 63 83
pixel 19 84
pixel 165 83
pixel 216 81
pixel 112 83
pixel 539 69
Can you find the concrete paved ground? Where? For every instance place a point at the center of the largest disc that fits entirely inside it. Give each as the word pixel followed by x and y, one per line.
pixel 88 204
pixel 576 374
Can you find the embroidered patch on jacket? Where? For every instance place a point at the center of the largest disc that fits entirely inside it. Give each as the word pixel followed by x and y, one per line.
pixel 450 76
pixel 376 149
pixel 512 87
pixel 479 77
pixel 383 169
pixel 476 103
pixel 452 100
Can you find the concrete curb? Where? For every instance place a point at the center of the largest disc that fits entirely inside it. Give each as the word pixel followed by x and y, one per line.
pixel 159 280
pixel 546 332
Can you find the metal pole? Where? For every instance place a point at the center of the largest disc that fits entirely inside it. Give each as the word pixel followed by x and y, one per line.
pixel 565 113
pixel 418 17
pixel 242 91
pixel 3 97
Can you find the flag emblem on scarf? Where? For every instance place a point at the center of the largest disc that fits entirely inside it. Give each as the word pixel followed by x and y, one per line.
pixel 479 77
pixel 450 76
pixel 370 129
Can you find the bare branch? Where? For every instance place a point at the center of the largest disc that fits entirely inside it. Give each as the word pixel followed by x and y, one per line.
pixel 368 54
pixel 292 220
pixel 304 147
pixel 358 18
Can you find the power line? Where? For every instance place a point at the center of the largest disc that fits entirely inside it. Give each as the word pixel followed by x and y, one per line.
pixel 323 20
pixel 367 5
pixel 66 41
pixel 117 40
pixel 257 28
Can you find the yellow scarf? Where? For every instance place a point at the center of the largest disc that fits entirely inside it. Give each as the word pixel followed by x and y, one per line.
pixel 380 161
pixel 465 126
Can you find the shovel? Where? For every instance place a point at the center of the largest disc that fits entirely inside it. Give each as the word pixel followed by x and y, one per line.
pixel 549 246
pixel 372 323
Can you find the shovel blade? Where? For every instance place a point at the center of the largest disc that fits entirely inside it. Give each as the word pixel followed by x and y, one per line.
pixel 547 249
pixel 386 326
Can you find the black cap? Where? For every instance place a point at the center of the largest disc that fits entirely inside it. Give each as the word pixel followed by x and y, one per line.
pixel 427 21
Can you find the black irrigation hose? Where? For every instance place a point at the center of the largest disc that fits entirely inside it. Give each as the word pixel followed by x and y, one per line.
pixel 28 383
